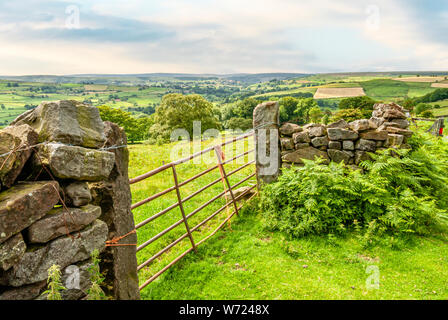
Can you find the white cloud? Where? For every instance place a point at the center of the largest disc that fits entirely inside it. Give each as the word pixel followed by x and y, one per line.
pixel 219 36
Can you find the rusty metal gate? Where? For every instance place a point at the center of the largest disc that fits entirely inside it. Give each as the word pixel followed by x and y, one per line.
pixel 180 203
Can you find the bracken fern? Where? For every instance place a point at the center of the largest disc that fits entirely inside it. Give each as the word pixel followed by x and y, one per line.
pixel 398 192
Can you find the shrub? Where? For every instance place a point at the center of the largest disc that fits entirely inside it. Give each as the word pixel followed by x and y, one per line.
pixel 348 115
pixel 400 192
pixel 421 107
pixel 427 114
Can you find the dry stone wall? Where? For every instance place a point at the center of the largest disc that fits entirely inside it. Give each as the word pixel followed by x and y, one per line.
pixel 342 141
pixel 64 192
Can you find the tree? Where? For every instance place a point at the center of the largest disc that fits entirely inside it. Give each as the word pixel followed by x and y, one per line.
pixel 283 115
pixel 315 114
pixel 436 95
pixel 245 108
pixel 178 111
pixel 287 107
pixel 303 108
pixel 363 103
pixel 427 114
pixel 227 112
pixel 239 123
pixel 347 115
pixel 408 104
pixel 136 129
pixel 421 107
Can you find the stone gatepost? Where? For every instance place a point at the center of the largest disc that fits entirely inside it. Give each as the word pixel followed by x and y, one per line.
pixel 114 197
pixel 64 192
pixel 267 145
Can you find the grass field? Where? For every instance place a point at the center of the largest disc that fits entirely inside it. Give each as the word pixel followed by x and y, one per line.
pixel 246 261
pixel 391 90
pixel 286 92
pixel 144 158
pixel 16 98
pixel 249 262
pixel 443 110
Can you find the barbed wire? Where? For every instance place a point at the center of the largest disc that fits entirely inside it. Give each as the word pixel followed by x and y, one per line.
pixel 264 125
pixel 102 148
pixel 65 144
pixel 23 149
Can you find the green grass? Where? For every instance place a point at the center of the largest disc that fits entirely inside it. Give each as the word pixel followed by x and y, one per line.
pixel 443 110
pixel 287 92
pixel 389 90
pixel 15 98
pixel 249 262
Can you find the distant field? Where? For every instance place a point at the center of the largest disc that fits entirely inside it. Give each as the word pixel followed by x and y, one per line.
pixel 440 112
pixel 420 79
pixel 95 87
pixel 391 90
pixel 341 85
pixel 326 93
pixel 443 110
pixel 140 95
pixel 287 92
pixel 439 85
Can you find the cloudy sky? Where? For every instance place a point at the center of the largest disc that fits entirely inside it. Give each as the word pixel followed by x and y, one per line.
pixel 225 36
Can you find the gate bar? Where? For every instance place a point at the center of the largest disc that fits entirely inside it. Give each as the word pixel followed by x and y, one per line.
pixel 179 198
pixel 192 230
pixel 205 204
pixel 166 166
pixel 155 276
pixel 141 224
pixel 219 155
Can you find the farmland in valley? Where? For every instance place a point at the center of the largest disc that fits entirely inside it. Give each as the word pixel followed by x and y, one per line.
pixel 141 94
pixel 439 85
pixel 420 79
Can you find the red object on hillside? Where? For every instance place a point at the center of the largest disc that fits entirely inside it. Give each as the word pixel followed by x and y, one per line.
pixel 441 132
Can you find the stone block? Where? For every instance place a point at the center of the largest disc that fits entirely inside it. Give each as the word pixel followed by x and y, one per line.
pixel 66 121
pixel 24 204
